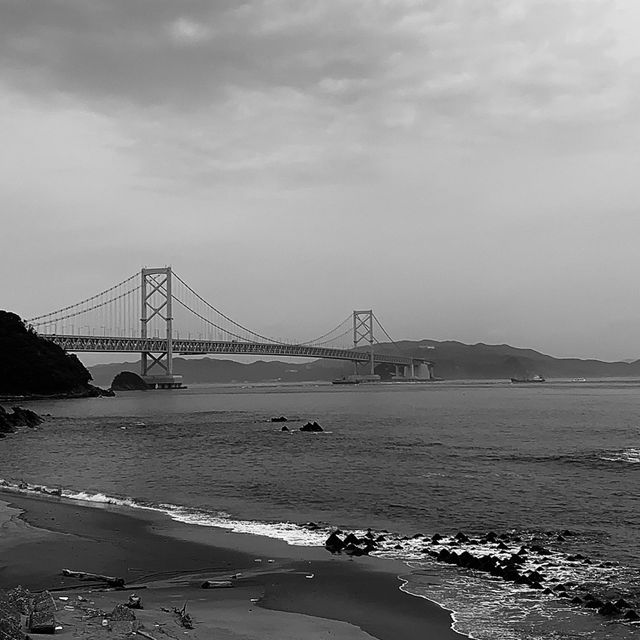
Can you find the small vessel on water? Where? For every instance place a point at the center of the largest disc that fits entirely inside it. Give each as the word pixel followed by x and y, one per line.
pixel 526 380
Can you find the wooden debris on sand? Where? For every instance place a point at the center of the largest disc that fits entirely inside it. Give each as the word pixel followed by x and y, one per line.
pixel 184 617
pixel 112 581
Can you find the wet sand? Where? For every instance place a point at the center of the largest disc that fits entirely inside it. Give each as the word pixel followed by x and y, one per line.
pixel 279 591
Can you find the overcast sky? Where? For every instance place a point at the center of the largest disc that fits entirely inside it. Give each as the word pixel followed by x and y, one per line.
pixel 470 169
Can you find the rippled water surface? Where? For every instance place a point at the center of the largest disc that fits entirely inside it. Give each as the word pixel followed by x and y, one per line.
pixel 440 457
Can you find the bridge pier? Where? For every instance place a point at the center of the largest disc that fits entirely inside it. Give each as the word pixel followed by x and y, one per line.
pixel 157 301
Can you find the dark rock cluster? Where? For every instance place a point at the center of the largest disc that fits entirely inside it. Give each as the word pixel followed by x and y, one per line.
pixel 311 426
pixel 510 568
pixel 351 544
pixel 529 563
pixel 17 418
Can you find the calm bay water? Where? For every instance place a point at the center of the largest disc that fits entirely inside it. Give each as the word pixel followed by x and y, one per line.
pixel 443 457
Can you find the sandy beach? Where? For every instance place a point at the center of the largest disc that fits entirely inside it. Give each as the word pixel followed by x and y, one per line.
pixel 278 591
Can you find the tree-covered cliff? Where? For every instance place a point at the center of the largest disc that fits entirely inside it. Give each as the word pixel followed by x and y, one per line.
pixel 30 364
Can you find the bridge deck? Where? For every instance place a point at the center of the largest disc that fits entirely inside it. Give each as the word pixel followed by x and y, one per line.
pixel 202 347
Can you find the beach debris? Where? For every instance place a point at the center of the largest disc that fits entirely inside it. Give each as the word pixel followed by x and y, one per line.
pixel 85 575
pixel 13 604
pixel 279 419
pixel 311 426
pixel 122 613
pixel 134 602
pixel 309 576
pixel 216 584
pixel 184 617
pixel 41 617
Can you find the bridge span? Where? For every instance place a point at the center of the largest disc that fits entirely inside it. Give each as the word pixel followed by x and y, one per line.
pixel 146 304
pixel 410 367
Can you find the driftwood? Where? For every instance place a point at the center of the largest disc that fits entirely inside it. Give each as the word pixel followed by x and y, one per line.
pixel 185 618
pixel 144 634
pixel 216 584
pixel 85 575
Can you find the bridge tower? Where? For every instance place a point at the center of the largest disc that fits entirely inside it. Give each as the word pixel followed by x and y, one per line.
pixel 363 332
pixel 157 303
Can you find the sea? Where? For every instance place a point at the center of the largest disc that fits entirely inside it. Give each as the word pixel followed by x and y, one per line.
pixel 554 464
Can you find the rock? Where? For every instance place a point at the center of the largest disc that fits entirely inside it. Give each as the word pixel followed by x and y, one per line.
pixel 279 419
pixel 444 554
pixel 380 538
pixel 311 426
pixel 134 602
pixel 576 600
pixel 631 615
pixel 622 604
pixel 609 609
pixel 285 428
pixel 353 550
pixel 334 543
pixel 352 539
pixel 311 526
pixel 535 576
pixel 566 533
pixel 593 603
pixel 461 537
pixel 128 381
pixel 539 549
pixel 18 417
pixel 502 546
pixel 436 537
pixel 491 536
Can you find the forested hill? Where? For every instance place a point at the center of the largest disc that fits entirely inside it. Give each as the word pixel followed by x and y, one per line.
pixel 456 360
pixel 31 365
pixel 453 361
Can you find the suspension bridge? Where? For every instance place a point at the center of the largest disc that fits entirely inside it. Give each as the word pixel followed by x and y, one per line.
pixel 157 314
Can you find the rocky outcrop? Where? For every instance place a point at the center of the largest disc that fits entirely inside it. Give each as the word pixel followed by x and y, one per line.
pixel 17 418
pixel 311 426
pixel 128 381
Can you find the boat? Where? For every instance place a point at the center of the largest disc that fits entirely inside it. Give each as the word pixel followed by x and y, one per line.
pixel 526 380
pixel 345 380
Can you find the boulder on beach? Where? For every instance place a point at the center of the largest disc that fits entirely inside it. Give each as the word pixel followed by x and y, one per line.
pixel 128 381
pixel 279 419
pixel 311 426
pixel 334 543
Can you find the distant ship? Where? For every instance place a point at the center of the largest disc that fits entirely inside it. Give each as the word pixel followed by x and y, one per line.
pixel 534 379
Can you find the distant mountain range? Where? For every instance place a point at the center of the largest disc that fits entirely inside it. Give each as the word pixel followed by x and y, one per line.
pixel 453 361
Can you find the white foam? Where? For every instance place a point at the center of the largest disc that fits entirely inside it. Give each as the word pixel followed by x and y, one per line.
pixel 630 456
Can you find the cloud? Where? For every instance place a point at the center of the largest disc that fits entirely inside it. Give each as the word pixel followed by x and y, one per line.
pixel 296 87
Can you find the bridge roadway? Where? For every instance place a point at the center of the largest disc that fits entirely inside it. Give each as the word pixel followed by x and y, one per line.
pixel 202 347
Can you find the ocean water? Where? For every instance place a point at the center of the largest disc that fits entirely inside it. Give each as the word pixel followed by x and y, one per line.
pixel 530 460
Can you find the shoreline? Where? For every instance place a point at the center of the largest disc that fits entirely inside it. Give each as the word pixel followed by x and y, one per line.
pixel 148 548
